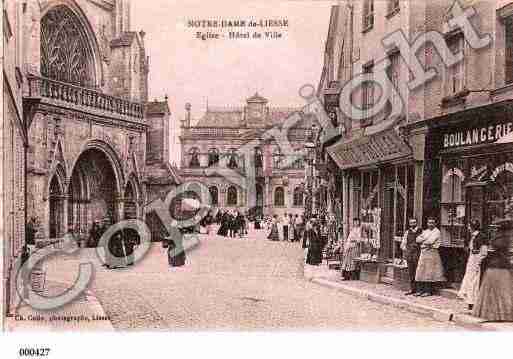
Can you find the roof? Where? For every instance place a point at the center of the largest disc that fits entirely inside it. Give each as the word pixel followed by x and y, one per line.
pixel 125 39
pixel 163 173
pixel 257 98
pixel 157 108
pixel 235 118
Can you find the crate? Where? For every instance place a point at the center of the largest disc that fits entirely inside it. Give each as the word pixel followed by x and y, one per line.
pixel 370 271
pixel 401 278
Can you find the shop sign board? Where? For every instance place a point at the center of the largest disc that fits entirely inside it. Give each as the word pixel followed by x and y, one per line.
pixel 476 135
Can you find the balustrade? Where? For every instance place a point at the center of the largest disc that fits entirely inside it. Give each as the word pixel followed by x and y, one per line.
pixel 81 96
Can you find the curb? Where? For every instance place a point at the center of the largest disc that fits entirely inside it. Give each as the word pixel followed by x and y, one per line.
pixel 461 319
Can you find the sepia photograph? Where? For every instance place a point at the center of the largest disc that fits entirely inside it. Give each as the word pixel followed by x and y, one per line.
pixel 256 166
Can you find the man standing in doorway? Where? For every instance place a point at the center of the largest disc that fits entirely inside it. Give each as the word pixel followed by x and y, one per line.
pixel 429 270
pixel 411 251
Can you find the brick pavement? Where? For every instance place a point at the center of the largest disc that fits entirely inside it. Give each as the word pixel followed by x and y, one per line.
pixel 229 284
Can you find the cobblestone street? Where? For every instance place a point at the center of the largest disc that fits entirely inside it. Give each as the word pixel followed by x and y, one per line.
pixel 231 284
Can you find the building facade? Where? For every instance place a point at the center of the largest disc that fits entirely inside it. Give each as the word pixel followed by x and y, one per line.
pixel 429 158
pixel 95 148
pixel 228 144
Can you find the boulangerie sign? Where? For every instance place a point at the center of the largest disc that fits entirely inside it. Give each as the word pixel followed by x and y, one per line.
pixel 477 135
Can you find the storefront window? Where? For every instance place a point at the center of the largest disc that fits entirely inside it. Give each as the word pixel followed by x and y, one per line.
pixel 453 203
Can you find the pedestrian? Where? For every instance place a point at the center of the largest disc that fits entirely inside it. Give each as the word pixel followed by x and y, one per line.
pixel 286 223
pixel 232 224
pixel 478 248
pixel 296 228
pixel 430 272
pixel 411 251
pixel 495 299
pixel 94 234
pixel 314 255
pixel 224 228
pixel 175 252
pixel 292 230
pixel 351 251
pixel 274 235
pixel 30 231
pixel 258 219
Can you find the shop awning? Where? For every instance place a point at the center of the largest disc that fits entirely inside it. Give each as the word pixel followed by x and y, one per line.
pixel 369 149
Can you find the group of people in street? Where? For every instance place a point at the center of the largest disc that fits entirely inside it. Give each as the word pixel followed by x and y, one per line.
pixel 487 286
pixel 288 227
pixel 231 223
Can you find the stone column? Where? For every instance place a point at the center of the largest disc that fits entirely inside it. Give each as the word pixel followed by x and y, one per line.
pixel 119 207
pixel 63 206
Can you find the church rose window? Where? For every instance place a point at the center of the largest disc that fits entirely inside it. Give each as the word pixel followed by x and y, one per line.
pixel 65 52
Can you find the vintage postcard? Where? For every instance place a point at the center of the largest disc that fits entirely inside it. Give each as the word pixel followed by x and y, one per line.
pixel 256 165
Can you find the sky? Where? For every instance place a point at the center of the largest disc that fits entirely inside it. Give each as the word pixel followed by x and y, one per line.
pixel 226 71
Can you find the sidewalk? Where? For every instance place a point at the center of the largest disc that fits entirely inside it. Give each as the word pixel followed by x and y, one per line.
pixel 85 313
pixel 436 307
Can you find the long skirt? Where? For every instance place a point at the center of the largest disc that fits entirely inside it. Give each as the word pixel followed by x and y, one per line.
pixel 349 254
pixel 430 267
pixel 314 256
pixel 175 259
pixel 470 285
pixel 495 299
pixel 223 230
pixel 274 235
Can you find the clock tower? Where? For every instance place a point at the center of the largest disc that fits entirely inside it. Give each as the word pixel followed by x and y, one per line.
pixel 256 111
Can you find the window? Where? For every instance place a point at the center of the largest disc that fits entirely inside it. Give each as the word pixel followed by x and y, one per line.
pixel 508 66
pixel 394 76
pixel 232 196
pixel 298 197
pixel 194 158
pixel 453 202
pixel 279 197
pixel 213 156
pixel 455 74
pixel 259 159
pixel 232 159
pixel 368 14
pixel 367 95
pixel 214 195
pixel 277 158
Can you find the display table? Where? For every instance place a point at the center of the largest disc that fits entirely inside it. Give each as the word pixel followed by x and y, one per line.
pixel 370 270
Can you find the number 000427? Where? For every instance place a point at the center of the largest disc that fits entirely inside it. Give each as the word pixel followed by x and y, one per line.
pixel 34 352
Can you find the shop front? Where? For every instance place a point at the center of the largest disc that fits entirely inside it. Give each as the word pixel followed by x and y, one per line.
pixel 379 182
pixel 475 178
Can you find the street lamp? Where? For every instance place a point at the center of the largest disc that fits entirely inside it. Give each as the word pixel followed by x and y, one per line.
pixel 310 147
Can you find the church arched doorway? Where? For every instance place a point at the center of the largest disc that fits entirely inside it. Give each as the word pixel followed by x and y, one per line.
pixel 93 191
pixel 56 200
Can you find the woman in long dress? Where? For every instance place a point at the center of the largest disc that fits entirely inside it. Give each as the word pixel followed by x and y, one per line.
pixel 351 251
pixel 495 299
pixel 470 285
pixel 274 235
pixel 314 256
